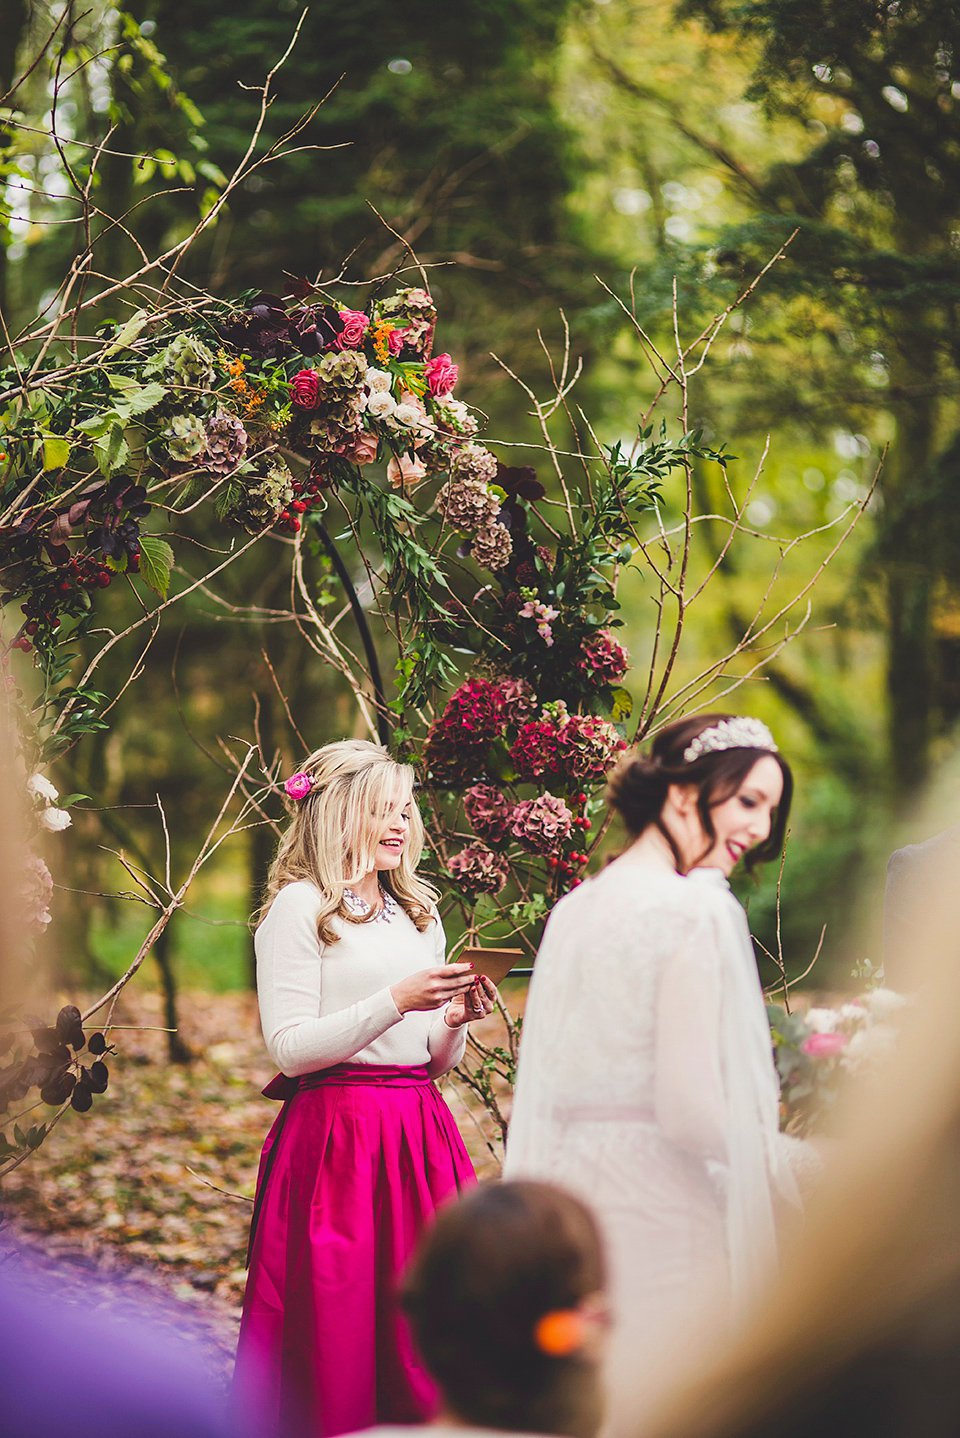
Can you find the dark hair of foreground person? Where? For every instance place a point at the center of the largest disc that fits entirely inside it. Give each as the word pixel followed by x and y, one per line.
pixel 497 1280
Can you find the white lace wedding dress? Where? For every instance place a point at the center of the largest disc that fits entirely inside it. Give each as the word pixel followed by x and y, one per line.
pixel 646 1085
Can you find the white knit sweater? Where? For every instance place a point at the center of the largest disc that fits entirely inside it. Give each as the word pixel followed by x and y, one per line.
pixel 329 1004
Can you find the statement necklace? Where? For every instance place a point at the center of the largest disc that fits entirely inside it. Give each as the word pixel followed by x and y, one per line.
pixel 388 906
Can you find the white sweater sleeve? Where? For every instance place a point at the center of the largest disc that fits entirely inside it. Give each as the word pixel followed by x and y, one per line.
pixel 446 1045
pixel 289 970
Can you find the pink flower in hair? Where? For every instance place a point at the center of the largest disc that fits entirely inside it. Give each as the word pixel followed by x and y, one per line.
pixel 298 786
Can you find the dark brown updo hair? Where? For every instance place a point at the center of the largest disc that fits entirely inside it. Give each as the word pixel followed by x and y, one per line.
pixel 488 1270
pixel 638 786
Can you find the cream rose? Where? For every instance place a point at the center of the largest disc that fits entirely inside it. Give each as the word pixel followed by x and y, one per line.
pixel 381 405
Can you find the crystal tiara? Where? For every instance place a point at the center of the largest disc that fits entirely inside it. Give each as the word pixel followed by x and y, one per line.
pixel 739 733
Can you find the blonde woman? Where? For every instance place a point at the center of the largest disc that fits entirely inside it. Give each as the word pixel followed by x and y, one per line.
pixel 359 1012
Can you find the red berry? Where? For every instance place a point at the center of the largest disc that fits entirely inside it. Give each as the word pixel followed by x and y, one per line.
pixel 552 861
pixel 55 622
pixel 581 798
pixel 133 561
pixel 32 627
pixel 586 823
pixel 294 524
pixel 298 506
pixel 284 515
pixel 103 579
pixel 575 883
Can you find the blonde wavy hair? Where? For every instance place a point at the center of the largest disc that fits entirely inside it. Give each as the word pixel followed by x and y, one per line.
pixel 333 837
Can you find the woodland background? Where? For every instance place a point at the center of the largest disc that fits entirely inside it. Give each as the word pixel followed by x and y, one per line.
pixel 525 147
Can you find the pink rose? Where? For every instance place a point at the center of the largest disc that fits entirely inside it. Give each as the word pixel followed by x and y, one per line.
pixel 404 471
pixel 298 786
pixel 821 1046
pixel 395 340
pixel 355 326
pixel 305 388
pixel 441 375
pixel 361 448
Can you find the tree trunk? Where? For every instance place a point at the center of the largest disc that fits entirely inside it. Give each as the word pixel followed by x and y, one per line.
pixel 177 1050
pixel 905 551
pixel 13 24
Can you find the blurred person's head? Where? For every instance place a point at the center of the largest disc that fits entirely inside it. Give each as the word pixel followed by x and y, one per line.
pixel 712 805
pixel 506 1302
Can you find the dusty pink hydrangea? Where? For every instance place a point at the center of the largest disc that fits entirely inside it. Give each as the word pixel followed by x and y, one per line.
pixel 602 659
pixel 488 811
pixel 35 892
pixel 587 747
pixel 478 870
pixel 519 700
pixel 226 443
pixel 492 547
pixel 542 824
pixel 474 461
pixel 467 504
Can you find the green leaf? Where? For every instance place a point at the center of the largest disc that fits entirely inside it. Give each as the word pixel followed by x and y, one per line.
pixel 156 563
pixel 622 705
pixel 111 449
pixel 499 763
pixel 127 333
pixel 56 451
pixel 141 400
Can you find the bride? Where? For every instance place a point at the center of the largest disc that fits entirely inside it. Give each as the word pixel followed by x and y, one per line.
pixel 646 1081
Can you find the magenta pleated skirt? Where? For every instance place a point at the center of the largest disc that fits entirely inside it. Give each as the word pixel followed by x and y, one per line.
pixel 351 1173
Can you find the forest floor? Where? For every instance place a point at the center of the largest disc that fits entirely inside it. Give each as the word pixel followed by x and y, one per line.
pixel 144 1202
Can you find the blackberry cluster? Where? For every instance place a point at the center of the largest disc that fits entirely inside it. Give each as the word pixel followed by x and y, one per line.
pixel 40 611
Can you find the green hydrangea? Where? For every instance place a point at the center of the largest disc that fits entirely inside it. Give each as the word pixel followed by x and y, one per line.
pixel 343 369
pixel 263 497
pixel 186 438
pixel 185 361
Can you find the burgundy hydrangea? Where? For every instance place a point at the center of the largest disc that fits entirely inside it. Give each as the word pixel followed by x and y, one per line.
pixel 535 751
pixel 488 811
pixel 457 744
pixel 587 747
pixel 478 870
pixel 602 659
pixel 542 824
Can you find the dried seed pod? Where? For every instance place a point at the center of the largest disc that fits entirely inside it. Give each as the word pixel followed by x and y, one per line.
pixel 81 1098
pixel 96 1043
pixel 99 1077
